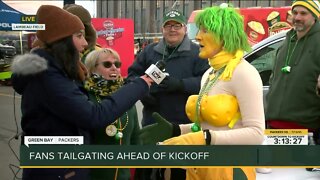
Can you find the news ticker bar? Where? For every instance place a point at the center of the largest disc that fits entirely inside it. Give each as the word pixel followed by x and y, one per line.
pixel 161 156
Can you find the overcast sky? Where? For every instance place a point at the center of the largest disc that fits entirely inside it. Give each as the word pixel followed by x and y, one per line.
pixel 31 7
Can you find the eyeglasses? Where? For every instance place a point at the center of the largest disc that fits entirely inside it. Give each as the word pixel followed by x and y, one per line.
pixel 108 64
pixel 174 26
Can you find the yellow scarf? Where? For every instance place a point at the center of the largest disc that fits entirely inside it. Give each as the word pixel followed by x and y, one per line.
pixel 224 58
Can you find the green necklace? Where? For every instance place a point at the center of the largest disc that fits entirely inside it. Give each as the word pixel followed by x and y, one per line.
pixel 286 68
pixel 204 91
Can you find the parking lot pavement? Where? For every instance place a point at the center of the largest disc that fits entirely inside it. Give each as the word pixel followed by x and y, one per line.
pixel 8 130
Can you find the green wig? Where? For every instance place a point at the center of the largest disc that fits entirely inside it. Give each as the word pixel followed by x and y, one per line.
pixel 226 24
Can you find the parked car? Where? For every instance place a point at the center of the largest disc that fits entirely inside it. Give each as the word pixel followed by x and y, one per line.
pixel 7 51
pixel 262 58
pixel 6 54
pixel 17 45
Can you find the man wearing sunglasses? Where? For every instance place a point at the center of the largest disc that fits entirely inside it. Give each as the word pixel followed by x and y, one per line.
pixel 184 67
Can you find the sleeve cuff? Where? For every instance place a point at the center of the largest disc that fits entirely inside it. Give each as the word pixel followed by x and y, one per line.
pixel 176 130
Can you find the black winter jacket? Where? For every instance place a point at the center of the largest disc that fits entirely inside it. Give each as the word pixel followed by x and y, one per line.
pixel 53 105
pixel 184 64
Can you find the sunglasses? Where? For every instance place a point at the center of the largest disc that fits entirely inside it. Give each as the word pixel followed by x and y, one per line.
pixel 108 64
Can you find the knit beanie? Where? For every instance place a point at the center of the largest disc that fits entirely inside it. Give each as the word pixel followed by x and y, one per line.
pixel 313 6
pixel 58 23
pixel 85 17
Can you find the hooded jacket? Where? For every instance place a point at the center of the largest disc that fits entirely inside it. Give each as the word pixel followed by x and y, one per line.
pixel 292 96
pixel 53 104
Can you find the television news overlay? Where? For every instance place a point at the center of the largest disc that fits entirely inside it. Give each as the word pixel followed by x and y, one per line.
pixel 28 27
pixel 28 23
pixel 53 140
pixel 70 152
pixel 286 136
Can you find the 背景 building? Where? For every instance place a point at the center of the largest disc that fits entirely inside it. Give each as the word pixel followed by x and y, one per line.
pixel 147 14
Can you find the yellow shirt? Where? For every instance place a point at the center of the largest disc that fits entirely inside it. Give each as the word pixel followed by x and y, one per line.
pixel 218 110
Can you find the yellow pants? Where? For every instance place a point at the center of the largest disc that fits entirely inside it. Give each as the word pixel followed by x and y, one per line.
pixel 220 173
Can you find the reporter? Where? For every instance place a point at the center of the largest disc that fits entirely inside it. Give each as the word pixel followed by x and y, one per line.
pixel 52 103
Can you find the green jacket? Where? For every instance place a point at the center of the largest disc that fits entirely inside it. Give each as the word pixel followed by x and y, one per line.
pixel 130 137
pixel 292 96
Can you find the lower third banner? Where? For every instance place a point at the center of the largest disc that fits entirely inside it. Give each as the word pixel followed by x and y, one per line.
pixel 38 156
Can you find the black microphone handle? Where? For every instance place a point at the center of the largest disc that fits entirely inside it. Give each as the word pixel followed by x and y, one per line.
pixel 161 64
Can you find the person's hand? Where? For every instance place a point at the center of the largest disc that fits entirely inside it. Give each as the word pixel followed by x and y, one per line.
pixel 157 132
pixel 193 138
pixel 149 100
pixel 171 84
pixel 147 79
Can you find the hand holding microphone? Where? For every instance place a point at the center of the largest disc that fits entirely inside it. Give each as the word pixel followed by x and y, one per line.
pixel 155 72
pixel 171 84
pixel 147 79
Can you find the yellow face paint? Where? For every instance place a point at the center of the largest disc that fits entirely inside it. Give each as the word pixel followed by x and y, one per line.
pixel 209 46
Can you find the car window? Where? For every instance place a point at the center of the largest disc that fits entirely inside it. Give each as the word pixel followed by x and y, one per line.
pixel 192 31
pixel 263 60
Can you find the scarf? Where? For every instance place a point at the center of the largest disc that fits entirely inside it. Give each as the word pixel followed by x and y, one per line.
pixel 99 86
pixel 229 60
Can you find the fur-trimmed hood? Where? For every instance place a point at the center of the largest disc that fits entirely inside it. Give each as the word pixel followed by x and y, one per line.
pixel 24 67
pixel 28 64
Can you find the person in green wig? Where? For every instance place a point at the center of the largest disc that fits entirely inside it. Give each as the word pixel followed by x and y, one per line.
pixel 229 108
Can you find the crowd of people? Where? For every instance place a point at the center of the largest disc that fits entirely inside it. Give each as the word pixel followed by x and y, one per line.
pixel 211 95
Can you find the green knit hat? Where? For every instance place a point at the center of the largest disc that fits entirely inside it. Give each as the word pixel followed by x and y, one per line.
pixel 313 6
pixel 174 15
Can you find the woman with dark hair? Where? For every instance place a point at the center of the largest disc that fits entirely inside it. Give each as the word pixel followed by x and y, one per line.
pixel 52 103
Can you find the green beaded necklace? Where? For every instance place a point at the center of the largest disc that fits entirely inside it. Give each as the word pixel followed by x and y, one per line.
pixel 286 68
pixel 204 91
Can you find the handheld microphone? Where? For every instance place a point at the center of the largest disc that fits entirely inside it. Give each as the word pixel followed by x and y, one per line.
pixel 155 72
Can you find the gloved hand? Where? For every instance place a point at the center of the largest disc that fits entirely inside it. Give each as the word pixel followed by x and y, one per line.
pixel 171 84
pixel 157 132
pixel 149 100
pixel 193 138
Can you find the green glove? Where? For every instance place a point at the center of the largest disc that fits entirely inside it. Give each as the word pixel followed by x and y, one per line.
pixel 157 132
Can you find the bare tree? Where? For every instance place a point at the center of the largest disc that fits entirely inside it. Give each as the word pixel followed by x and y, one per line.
pixel 152 24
